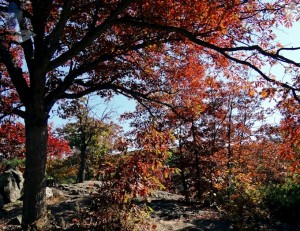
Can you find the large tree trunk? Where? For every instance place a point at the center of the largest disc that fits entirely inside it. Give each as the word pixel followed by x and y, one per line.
pixel 34 201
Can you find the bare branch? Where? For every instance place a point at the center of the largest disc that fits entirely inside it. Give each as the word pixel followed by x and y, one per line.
pixel 90 37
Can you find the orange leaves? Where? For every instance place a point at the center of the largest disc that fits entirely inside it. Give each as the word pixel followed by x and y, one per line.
pixel 264 94
pixel 267 92
pixel 252 93
pixel 132 175
pixel 290 132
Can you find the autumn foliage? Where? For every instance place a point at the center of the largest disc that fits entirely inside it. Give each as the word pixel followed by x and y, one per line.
pixel 12 140
pixel 12 145
pixel 164 54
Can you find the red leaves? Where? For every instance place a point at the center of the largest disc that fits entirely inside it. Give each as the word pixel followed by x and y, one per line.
pixel 12 142
pixel 57 147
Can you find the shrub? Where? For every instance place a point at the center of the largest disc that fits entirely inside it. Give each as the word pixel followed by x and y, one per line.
pixel 283 201
pixel 124 180
pixel 14 163
pixel 63 170
pixel 244 210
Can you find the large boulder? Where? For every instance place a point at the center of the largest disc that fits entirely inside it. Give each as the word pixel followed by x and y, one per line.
pixel 11 185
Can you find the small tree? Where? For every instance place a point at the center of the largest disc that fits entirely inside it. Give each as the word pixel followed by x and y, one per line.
pixel 90 135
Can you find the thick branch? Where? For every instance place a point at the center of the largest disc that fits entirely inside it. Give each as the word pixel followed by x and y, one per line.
pixel 223 50
pixel 287 86
pixel 90 37
pixel 56 34
pixel 15 74
pixel 69 79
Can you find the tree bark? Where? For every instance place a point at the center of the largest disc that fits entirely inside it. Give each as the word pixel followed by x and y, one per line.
pixel 34 200
pixel 197 163
pixel 229 152
pixel 81 171
pixel 182 173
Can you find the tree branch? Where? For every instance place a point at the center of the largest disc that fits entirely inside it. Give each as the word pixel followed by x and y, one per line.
pixel 15 73
pixel 90 37
pixel 69 79
pixel 55 36
pixel 223 50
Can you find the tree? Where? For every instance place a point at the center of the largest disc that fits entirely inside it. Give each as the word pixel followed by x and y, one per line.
pixel 119 47
pixel 90 135
pixel 288 138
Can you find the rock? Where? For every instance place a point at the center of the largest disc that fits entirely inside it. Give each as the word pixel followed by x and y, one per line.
pixel 15 221
pixel 81 189
pixel 57 193
pixel 49 192
pixel 11 185
pixel 61 222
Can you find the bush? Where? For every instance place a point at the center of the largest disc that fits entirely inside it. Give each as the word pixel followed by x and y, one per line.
pixel 14 163
pixel 63 170
pixel 108 215
pixel 243 207
pixel 124 179
pixel 283 202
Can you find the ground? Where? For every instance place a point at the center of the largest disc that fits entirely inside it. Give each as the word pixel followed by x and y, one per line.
pixel 170 212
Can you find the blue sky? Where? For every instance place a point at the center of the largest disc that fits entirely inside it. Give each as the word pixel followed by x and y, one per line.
pixel 289 37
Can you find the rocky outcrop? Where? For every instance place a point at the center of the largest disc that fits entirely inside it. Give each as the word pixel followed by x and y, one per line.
pixel 11 185
pixel 49 192
pixel 81 189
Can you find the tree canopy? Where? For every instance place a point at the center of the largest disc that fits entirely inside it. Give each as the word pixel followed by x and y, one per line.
pixel 54 50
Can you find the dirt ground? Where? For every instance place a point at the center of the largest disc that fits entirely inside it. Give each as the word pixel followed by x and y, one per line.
pixel 170 212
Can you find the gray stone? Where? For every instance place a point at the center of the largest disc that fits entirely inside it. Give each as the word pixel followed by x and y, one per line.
pixel 49 192
pixel 11 185
pixel 57 193
pixel 61 222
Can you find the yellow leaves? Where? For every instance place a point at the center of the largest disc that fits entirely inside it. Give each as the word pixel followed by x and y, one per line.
pixel 209 81
pixel 269 92
pixel 264 94
pixel 252 93
pixel 148 70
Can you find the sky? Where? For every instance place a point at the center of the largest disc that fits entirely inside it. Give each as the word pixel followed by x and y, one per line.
pixel 289 37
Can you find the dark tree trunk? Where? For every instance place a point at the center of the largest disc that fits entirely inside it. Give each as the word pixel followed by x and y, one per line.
pixel 182 174
pixel 197 163
pixel 184 184
pixel 198 172
pixel 229 153
pixel 34 201
pixel 81 172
